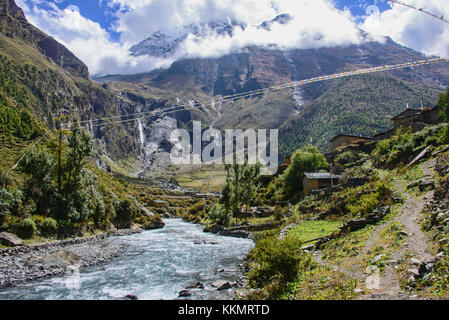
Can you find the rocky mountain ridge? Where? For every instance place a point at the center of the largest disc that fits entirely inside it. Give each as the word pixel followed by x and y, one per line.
pixel 14 24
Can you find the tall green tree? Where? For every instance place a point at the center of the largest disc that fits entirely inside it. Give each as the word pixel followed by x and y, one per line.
pixel 240 187
pixel 307 159
pixel 81 146
pixel 443 102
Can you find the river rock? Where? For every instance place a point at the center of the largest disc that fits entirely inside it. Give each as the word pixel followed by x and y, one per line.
pixel 131 297
pixel 197 285
pixel 234 233
pixel 415 262
pixel 9 239
pixel 184 293
pixel 223 285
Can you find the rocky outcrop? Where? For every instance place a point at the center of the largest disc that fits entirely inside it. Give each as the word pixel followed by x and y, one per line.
pixel 422 270
pixel 9 239
pixel 228 232
pixel 14 24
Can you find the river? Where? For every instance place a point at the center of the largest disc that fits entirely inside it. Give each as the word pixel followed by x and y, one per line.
pixel 155 265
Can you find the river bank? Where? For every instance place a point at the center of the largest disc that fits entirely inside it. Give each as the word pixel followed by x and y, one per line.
pixel 153 265
pixel 31 262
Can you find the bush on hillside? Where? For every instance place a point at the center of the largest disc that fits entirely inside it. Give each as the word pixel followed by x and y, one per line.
pixel 27 229
pixel 198 208
pixel 218 215
pixel 49 227
pixel 126 211
pixel 278 260
pixel 404 145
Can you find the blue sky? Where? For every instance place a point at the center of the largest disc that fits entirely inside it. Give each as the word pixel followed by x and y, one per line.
pixel 100 32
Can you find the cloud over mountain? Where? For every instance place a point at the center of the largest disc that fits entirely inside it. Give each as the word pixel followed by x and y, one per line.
pixel 314 24
pixel 412 28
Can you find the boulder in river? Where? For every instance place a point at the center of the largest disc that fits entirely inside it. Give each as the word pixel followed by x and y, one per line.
pixel 184 293
pixel 131 297
pixel 152 222
pixel 9 239
pixel 223 285
pixel 197 285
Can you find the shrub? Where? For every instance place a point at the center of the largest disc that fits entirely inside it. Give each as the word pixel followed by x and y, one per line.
pixel 347 157
pixel 217 214
pixel 27 228
pixel 197 209
pixel 366 203
pixel 277 260
pixel 49 226
pixel 402 146
pixel 398 148
pixel 5 205
pixel 126 212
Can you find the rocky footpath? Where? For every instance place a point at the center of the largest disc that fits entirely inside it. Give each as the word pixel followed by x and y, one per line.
pixel 31 262
pixel 436 225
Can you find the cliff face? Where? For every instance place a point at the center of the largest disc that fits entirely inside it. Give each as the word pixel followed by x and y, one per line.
pixel 40 77
pixel 13 24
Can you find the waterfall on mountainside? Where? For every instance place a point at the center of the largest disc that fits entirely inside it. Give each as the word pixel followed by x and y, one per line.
pixel 216 108
pixel 296 91
pixel 141 133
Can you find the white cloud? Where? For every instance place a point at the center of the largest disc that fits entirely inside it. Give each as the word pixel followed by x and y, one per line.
pixel 315 24
pixel 89 42
pixel 148 16
pixel 412 28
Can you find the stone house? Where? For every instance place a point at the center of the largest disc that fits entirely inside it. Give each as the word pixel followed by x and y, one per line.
pixel 417 119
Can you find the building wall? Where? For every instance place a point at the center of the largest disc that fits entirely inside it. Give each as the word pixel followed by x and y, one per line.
pixel 428 117
pixel 432 116
pixel 309 185
pixel 404 122
pixel 316 184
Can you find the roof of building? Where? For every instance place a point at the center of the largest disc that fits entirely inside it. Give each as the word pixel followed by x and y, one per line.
pixel 413 112
pixel 351 136
pixel 385 132
pixel 321 175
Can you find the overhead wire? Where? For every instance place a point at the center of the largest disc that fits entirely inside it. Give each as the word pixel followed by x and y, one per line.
pixel 241 95
pixel 420 10
pixel 259 91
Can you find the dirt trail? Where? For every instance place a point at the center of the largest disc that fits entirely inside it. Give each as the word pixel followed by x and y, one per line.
pixel 415 243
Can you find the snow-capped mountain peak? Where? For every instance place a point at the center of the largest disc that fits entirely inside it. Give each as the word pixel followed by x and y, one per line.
pixel 164 43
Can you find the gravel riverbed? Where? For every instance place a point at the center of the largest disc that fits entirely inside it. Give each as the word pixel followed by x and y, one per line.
pixel 31 262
